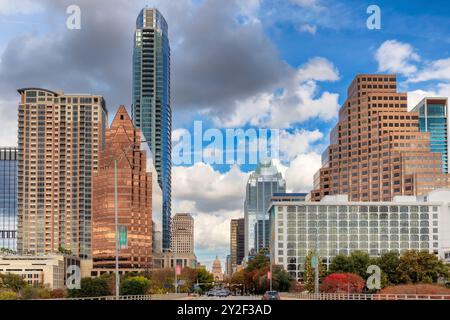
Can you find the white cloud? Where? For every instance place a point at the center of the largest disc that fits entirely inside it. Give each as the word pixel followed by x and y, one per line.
pixel 318 69
pixel 8 130
pixel 308 28
pixel 11 7
pixel 440 90
pixel 209 190
pixel 435 70
pixel 299 174
pixel 396 57
pixel 298 142
pixel 298 101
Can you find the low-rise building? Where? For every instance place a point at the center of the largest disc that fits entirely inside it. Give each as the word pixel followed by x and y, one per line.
pixel 47 270
pixel 340 227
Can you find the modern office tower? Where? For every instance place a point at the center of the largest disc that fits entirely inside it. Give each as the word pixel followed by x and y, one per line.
pixel 134 199
pixel 433 118
pixel 237 243
pixel 8 198
pixel 377 151
pixel 228 267
pixel 182 233
pixel 261 186
pixel 217 270
pixel 340 227
pixel 151 99
pixel 60 139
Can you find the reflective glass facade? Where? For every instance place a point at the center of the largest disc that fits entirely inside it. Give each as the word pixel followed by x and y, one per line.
pixel 151 99
pixel 8 198
pixel 261 186
pixel 433 118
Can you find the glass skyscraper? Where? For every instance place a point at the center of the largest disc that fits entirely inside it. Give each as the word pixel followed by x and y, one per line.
pixel 8 198
pixel 433 118
pixel 261 186
pixel 151 99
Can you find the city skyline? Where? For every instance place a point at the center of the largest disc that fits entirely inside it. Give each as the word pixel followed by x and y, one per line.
pixel 293 54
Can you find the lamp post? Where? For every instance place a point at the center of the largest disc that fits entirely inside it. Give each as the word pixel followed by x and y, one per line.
pixel 116 224
pixel 316 271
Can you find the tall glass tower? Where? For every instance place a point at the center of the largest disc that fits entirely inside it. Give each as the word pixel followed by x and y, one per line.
pixel 8 198
pixel 151 100
pixel 261 186
pixel 433 118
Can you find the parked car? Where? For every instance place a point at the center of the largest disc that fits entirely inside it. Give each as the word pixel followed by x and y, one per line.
pixel 271 295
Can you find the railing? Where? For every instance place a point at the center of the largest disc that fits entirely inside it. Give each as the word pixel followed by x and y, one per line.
pixel 140 297
pixel 357 296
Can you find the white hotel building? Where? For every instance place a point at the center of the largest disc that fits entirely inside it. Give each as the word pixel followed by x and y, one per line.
pixel 339 227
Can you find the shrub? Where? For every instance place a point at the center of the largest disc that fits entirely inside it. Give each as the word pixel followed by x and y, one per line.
pixel 90 287
pixel 416 289
pixel 8 295
pixel 134 286
pixel 342 282
pixel 31 293
pixel 58 294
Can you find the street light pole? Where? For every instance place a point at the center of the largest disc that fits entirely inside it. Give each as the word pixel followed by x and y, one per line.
pixel 316 271
pixel 116 224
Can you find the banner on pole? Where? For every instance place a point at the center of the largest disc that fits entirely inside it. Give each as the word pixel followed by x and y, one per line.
pixel 123 237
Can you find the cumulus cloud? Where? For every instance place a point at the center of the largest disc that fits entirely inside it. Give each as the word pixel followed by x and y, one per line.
pixel 209 190
pixel 208 71
pixel 298 100
pixel 434 70
pixel 298 142
pixel 396 57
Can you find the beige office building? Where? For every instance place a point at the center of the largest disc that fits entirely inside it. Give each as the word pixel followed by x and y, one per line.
pixel 60 138
pixel 182 233
pixel 377 150
pixel 49 271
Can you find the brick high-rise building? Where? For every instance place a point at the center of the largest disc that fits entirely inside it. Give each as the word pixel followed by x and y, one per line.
pixel 134 189
pixel 237 242
pixel 377 150
pixel 182 233
pixel 59 142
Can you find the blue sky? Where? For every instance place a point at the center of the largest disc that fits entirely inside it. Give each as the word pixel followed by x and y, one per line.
pixel 277 64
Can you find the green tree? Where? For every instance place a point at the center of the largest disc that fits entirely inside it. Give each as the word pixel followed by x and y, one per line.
pixel 134 286
pixel 281 279
pixel 388 263
pixel 421 267
pixel 206 278
pixel 341 264
pixel 91 287
pixel 259 262
pixel 309 274
pixel 12 282
pixel 360 261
